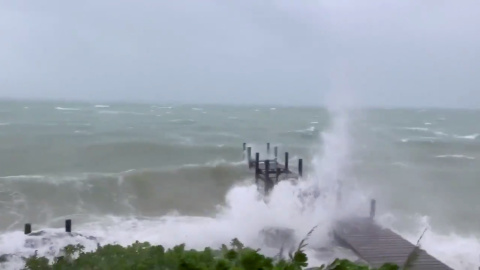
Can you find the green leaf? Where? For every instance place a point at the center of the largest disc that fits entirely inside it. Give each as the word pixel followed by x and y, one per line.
pixel 300 259
pixel 389 266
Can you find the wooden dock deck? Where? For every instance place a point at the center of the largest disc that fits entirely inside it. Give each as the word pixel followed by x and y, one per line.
pixel 369 241
pixel 377 245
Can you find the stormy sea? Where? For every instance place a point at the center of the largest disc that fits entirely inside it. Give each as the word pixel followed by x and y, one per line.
pixel 172 174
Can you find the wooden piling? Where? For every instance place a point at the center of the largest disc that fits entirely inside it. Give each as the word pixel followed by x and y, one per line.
pixel 257 166
pixel 249 156
pixel 267 176
pixel 286 161
pixel 68 225
pixel 244 150
pixel 373 206
pixel 275 151
pixel 268 149
pixel 300 167
pixel 268 182
pixel 28 228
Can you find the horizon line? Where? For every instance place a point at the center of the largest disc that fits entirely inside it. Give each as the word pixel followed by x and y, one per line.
pixel 187 103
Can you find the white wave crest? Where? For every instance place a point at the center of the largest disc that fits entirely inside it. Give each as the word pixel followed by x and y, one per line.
pixel 182 121
pixel 455 156
pixel 67 109
pixel 468 137
pixel 120 112
pixel 307 130
pixel 416 128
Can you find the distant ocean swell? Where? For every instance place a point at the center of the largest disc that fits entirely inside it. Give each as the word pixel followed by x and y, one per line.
pixel 436 135
pixel 110 156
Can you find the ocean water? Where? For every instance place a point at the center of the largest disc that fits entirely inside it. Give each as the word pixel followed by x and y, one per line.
pixel 172 174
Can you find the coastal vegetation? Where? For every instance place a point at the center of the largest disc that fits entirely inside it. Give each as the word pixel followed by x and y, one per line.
pixel 236 256
pixel 144 256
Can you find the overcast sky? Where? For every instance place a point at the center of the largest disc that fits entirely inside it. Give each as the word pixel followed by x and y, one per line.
pixel 375 52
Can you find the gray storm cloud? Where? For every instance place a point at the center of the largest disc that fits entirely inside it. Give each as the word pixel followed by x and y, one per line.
pixel 393 53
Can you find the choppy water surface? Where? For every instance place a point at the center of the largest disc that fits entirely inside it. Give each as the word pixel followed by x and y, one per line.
pixel 171 174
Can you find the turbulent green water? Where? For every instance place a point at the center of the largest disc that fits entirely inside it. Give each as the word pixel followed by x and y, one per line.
pixel 92 161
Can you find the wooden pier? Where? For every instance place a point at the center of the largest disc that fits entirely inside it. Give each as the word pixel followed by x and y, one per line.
pixel 377 246
pixel 270 171
pixel 368 240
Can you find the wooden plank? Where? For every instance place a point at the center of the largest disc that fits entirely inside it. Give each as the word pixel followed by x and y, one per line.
pixel 378 246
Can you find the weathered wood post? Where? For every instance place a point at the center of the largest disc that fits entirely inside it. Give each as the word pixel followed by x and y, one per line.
pixel 268 182
pixel 249 156
pixel 267 170
pixel 373 206
pixel 278 171
pixel 28 228
pixel 244 149
pixel 286 161
pixel 268 148
pixel 68 225
pixel 257 166
pixel 275 152
pixel 300 167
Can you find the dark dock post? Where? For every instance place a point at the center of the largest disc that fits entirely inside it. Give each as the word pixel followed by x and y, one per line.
pixel 244 149
pixel 28 228
pixel 268 182
pixel 267 170
pixel 257 165
pixel 286 162
pixel 268 149
pixel 300 167
pixel 373 206
pixel 249 156
pixel 68 225
pixel 275 151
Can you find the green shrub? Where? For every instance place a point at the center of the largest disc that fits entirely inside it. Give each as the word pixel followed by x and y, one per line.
pixel 143 256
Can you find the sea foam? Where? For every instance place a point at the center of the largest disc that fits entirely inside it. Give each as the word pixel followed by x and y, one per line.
pixel 66 109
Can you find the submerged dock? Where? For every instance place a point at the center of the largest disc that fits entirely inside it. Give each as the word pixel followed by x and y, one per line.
pixel 270 171
pixel 367 239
